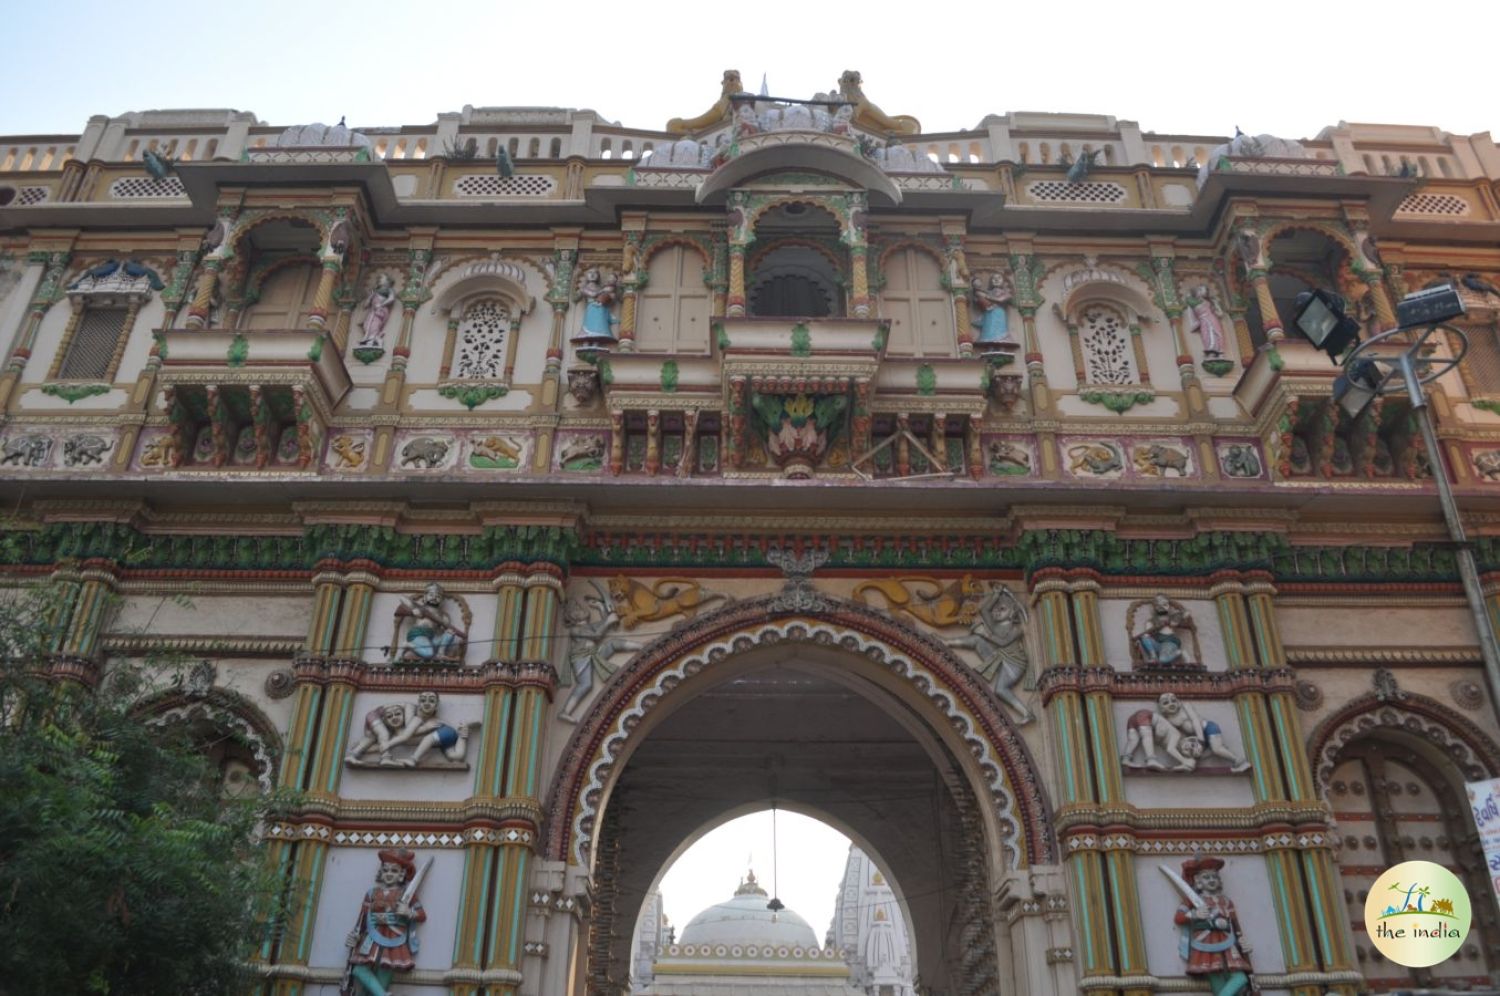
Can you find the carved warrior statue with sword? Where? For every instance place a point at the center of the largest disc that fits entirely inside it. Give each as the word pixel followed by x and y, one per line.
pixel 382 942
pixel 1211 943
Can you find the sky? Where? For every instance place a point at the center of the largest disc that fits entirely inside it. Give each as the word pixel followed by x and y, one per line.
pixel 1287 68
pixel 809 866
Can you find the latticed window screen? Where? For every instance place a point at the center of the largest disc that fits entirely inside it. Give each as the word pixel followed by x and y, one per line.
pixel 1106 346
pixel 94 343
pixel 482 338
pixel 1482 365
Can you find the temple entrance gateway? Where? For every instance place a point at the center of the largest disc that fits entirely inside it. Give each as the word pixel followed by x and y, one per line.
pixel 820 717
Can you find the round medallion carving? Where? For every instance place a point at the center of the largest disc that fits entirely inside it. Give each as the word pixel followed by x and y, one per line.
pixel 280 683
pixel 1309 695
pixel 1467 694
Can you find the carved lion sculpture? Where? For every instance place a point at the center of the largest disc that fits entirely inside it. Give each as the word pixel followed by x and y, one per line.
pixel 1094 458
pixel 927 598
pixel 870 117
pixel 718 112
pixel 636 603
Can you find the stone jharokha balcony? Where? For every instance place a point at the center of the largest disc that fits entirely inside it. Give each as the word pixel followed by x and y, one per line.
pixel 253 399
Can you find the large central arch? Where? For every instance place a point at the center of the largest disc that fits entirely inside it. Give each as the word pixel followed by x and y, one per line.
pixel 985 815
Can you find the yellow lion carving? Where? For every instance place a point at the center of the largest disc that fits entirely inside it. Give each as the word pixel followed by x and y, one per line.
pixel 952 604
pixel 719 112
pixel 636 603
pixel 870 117
pixel 350 451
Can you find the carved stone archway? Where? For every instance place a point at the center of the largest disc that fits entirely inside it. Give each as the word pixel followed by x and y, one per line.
pixel 994 817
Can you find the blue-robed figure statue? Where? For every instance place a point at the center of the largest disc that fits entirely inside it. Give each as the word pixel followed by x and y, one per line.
pixel 990 297
pixel 599 293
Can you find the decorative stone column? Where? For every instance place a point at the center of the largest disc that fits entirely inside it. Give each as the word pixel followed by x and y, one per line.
pixel 956 279
pixel 333 266
pixel 324 698
pixel 735 303
pixel 559 295
pixel 203 292
pixel 506 807
pixel 1065 712
pixel 1118 861
pixel 82 598
pixel 1310 916
pixel 632 279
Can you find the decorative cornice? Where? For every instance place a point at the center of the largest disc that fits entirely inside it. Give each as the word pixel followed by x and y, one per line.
pixel 243 646
pixel 427 676
pixel 1261 820
pixel 1150 684
pixel 1365 656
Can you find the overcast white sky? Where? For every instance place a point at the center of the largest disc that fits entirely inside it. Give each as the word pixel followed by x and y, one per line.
pixel 1288 68
pixel 810 863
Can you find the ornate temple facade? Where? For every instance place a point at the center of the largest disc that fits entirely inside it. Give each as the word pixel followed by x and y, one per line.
pixel 548 491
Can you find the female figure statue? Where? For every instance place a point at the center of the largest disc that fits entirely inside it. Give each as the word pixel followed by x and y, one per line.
pixel 379 303
pixel 990 297
pixel 598 292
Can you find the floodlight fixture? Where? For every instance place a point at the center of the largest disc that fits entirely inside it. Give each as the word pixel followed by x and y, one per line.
pixel 1320 317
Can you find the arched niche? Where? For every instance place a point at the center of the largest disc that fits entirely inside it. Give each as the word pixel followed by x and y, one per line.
pixel 483 278
pixel 229 727
pixel 1393 771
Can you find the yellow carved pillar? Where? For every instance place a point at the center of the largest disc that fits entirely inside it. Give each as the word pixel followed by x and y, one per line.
pixel 317 317
pixel 1118 861
pixel 735 303
pixel 1065 713
pixel 492 910
pixel 1270 320
pixel 300 858
pixel 203 294
pixel 859 263
pixel 653 442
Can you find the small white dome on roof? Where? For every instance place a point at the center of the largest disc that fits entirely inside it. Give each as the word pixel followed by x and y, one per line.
pixel 744 920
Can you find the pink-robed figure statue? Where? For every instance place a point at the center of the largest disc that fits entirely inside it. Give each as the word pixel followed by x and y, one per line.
pixel 380 302
pixel 1204 317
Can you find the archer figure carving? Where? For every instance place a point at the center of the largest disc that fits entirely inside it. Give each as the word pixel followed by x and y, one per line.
pixel 431 633
pixel 588 621
pixel 1160 643
pixel 997 635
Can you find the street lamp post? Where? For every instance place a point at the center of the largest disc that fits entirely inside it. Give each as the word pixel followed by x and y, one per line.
pixel 1369 372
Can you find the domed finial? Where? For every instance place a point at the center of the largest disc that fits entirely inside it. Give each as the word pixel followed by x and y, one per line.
pixel 750 887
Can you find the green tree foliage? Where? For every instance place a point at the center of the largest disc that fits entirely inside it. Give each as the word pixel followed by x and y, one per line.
pixel 123 869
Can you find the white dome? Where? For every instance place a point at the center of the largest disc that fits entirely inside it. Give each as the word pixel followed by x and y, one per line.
pixel 744 920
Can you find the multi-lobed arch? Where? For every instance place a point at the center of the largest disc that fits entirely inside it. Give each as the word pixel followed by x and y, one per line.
pixel 958 705
pixel 1410 715
pixel 227 711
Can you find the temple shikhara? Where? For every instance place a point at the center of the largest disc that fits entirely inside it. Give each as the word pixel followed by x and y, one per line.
pixel 547 491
